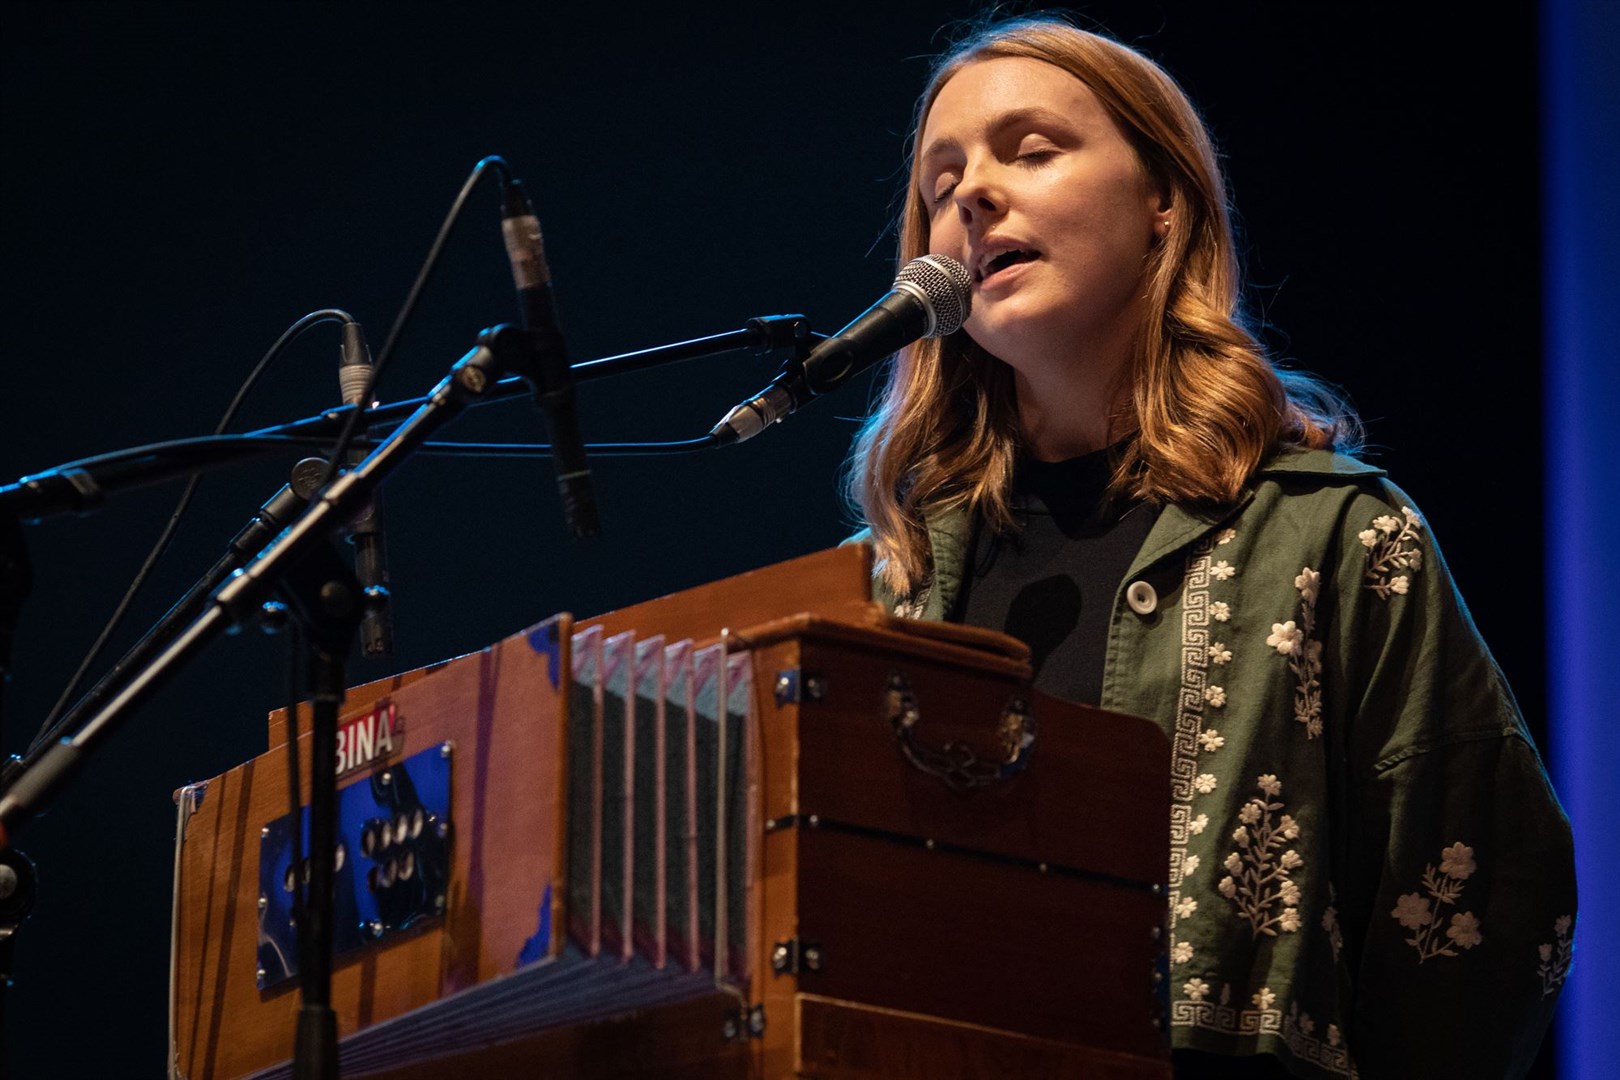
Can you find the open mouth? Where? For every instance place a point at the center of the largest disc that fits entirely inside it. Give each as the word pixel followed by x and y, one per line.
pixel 1002 261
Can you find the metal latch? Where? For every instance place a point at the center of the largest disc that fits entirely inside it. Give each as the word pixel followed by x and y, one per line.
pixel 745 1022
pixel 792 687
pixel 794 957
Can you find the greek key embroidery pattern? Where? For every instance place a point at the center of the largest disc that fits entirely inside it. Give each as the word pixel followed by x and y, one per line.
pixel 1196 1011
pixel 1298 643
pixel 1392 545
pixel 1258 881
pixel 1299 1032
pixel 1296 1029
pixel 1422 914
pixel 1186 781
pixel 1556 956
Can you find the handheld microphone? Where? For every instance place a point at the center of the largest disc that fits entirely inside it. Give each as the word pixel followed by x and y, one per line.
pixel 553 382
pixel 366 530
pixel 930 297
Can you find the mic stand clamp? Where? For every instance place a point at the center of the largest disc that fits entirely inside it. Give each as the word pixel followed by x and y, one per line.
pixel 776 401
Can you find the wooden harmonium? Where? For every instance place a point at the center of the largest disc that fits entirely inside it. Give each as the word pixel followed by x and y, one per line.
pixel 672 842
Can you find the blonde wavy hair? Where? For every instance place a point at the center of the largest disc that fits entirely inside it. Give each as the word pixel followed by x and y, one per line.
pixel 1205 405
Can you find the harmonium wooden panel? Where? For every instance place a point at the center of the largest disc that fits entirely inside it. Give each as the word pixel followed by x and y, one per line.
pixel 759 829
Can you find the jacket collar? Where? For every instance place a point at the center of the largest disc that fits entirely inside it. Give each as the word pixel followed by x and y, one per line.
pixel 949 532
pixel 1178 527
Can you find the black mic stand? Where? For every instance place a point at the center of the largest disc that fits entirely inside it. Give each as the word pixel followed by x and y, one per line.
pixel 300 563
pixel 325 597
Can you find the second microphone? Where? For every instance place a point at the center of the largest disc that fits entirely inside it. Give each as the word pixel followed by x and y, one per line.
pixel 931 297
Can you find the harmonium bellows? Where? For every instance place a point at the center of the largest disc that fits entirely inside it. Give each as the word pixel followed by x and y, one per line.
pixel 757 829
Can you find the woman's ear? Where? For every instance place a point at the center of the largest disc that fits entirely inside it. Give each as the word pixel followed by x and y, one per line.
pixel 1161 212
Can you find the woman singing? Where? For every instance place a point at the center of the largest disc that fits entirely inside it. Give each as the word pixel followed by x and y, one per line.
pixel 1369 874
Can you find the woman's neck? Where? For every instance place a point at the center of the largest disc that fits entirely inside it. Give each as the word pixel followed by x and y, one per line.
pixel 1069 393
pixel 1066 410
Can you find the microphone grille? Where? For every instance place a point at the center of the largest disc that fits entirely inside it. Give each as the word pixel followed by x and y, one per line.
pixel 946 284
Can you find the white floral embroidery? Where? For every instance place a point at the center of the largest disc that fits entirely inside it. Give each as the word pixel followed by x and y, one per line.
pixel 1556 956
pixel 1333 1035
pixel 1285 637
pixel 1304 652
pixel 1185 909
pixel 1181 952
pixel 1393 545
pixel 911 607
pixel 1458 861
pixel 1264 997
pixel 1198 824
pixel 1330 923
pixel 1205 783
pixel 1225 536
pixel 1195 989
pixel 1309 583
pixel 1257 880
pixel 1215 695
pixel 1212 740
pixel 1464 930
pixel 1413 911
pixel 1220 611
pixel 1220 654
pixel 1188 865
pixel 1422 915
pixel 1222 571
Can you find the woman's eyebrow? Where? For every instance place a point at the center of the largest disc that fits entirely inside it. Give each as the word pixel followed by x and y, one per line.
pixel 1028 116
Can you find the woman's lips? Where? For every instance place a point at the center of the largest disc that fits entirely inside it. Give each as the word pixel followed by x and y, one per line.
pixel 1006 274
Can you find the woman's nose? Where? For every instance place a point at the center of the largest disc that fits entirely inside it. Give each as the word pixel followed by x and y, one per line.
pixel 978 195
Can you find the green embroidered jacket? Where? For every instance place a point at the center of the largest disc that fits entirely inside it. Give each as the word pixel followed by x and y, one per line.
pixel 1369 872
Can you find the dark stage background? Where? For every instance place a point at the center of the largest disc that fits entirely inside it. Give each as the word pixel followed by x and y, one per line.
pixel 178 186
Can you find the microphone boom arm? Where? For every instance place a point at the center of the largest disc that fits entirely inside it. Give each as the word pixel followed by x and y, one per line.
pixel 82 486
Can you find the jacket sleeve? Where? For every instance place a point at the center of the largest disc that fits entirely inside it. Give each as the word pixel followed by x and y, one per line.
pixel 1456 879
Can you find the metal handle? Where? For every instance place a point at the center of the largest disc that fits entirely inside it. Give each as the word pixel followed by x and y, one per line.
pixel 956 764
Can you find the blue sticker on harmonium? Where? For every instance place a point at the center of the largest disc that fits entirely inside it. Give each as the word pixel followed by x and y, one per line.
pixel 391 862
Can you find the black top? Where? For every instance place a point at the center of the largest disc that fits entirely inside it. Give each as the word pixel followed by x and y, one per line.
pixel 1052 585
